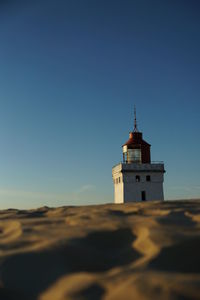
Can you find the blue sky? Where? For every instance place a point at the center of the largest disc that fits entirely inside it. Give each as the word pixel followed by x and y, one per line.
pixel 71 73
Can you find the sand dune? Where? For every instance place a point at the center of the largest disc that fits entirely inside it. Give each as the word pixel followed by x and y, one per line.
pixel 133 251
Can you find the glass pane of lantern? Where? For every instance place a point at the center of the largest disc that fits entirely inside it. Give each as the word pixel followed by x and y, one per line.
pixel 130 155
pixel 134 155
pixel 137 154
pixel 125 157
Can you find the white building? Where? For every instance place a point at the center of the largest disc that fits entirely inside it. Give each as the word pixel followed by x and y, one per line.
pixel 137 178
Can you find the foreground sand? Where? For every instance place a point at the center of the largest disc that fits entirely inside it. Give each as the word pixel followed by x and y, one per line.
pixel 135 251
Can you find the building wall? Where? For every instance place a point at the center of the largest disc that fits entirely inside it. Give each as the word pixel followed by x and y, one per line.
pixel 118 187
pixel 133 190
pixel 127 189
pixel 119 192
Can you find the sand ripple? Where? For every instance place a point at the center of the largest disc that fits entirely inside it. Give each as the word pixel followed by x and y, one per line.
pixel 9 231
pixel 109 252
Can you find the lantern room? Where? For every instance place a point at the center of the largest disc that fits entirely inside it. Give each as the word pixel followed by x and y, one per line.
pixel 136 150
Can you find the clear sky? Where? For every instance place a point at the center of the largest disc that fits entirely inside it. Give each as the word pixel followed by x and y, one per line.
pixel 70 74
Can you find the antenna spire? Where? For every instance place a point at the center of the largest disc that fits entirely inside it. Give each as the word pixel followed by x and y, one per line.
pixel 135 120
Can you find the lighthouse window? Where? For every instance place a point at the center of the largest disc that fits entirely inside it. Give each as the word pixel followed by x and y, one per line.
pixel 119 179
pixel 137 178
pixel 148 178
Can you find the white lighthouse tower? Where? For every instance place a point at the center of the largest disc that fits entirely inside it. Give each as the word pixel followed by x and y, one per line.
pixel 137 178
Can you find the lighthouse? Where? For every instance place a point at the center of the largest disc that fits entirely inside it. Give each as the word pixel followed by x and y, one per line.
pixel 137 178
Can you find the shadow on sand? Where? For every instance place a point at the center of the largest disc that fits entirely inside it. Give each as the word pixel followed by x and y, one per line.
pixel 183 257
pixel 97 252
